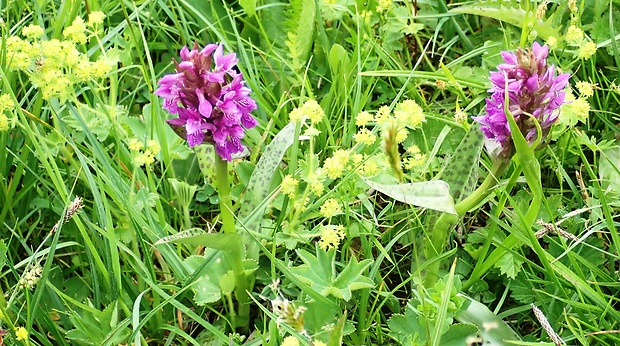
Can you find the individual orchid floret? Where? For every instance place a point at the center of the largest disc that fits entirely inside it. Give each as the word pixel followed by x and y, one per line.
pixel 535 94
pixel 210 98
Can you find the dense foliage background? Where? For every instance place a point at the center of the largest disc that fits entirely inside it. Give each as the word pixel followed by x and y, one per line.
pixel 330 257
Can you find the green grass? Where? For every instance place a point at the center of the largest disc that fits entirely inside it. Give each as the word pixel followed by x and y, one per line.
pixel 106 280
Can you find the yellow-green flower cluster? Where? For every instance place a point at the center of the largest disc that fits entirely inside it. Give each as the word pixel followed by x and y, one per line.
pixel 290 341
pixel 331 236
pixel 336 165
pixel 30 277
pixel 289 186
pixel 55 66
pixel 310 109
pixel 407 114
pixel 415 157
pixel 21 334
pixel 576 37
pixel 6 104
pixel 330 208
pixel 144 153
pixel 383 5
pixel 585 89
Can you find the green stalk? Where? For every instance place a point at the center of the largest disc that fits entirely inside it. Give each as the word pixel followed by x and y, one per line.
pixel 236 253
pixel 446 222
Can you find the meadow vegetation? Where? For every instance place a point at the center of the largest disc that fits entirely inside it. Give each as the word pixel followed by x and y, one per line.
pixel 309 172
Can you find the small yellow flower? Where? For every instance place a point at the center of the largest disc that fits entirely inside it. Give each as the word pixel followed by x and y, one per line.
pixel 21 333
pixel 331 237
pixel 574 35
pixel 96 17
pixel 153 146
pixel 363 118
pixel 581 109
pixel 33 31
pixel 552 42
pixel 401 135
pixel 289 185
pixel 317 187
pixel 330 208
pixel 145 158
pixel 541 10
pixel 409 113
pixel 383 114
pixel 587 50
pixel 365 136
pixel 314 111
pixel 370 168
pixel 290 341
pixel 76 32
pixel 460 116
pixel 134 144
pixel 6 104
pixel 5 123
pixel 318 343
pixel 296 114
pixel 384 5
pixel 585 89
pixel 415 161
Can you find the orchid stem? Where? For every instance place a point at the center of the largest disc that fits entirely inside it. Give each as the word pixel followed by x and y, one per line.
pixel 236 253
pixel 446 222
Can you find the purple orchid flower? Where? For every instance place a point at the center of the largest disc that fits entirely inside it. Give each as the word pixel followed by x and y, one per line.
pixel 210 99
pixel 535 94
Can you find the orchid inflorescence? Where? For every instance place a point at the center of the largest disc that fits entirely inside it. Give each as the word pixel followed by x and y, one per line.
pixel 535 95
pixel 209 96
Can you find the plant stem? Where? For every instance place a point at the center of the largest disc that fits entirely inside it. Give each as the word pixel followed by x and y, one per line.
pixel 235 253
pixel 446 222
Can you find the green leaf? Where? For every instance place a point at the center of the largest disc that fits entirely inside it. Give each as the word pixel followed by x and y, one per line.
pixel 249 6
pixel 609 170
pixel 458 335
pixel 433 194
pixel 205 153
pixel 301 24
pixel 493 330
pixel 260 182
pixel 207 288
pixel 227 282
pixel 461 170
pixel 510 12
pixel 509 265
pixel 198 237
pixel 320 273
pixel 407 328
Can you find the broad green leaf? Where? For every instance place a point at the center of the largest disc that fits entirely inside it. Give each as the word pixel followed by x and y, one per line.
pixel 335 338
pixel 205 153
pixel 320 273
pixel 198 237
pixel 259 184
pixel 609 170
pixel 458 335
pixel 493 330
pixel 407 328
pixel 433 194
pixel 461 170
pixel 207 288
pixel 510 12
pixel 249 6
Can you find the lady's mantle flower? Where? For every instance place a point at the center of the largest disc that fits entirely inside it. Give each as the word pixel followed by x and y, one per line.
pixel 534 94
pixel 210 98
pixel 21 333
